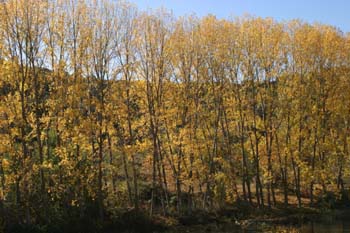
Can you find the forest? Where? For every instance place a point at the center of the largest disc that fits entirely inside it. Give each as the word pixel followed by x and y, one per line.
pixel 107 110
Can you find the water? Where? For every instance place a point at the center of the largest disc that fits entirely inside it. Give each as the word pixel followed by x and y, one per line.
pixel 338 226
pixel 325 224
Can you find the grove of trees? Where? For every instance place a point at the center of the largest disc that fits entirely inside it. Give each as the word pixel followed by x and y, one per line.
pixel 104 107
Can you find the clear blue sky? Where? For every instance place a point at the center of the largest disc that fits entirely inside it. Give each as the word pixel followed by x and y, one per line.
pixel 333 12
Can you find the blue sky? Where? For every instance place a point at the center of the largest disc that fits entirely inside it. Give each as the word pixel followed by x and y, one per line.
pixel 333 12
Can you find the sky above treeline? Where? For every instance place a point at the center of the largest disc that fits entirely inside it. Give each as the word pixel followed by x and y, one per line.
pixel 333 12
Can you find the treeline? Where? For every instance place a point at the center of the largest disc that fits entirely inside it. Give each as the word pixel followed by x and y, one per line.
pixel 104 107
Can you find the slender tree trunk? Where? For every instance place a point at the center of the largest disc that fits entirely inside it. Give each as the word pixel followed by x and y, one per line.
pixel 127 177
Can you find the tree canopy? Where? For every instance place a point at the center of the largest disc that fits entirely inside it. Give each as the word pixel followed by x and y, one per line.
pixel 104 107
